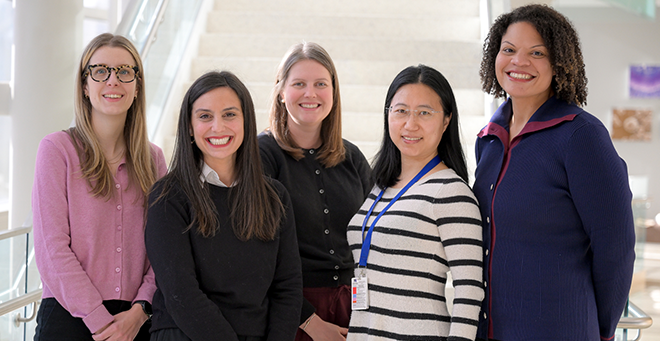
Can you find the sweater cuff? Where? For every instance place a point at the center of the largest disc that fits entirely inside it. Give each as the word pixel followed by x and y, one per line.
pixel 98 318
pixel 146 294
pixel 307 311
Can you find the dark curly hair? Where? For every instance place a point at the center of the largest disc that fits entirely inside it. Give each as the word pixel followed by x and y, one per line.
pixel 569 82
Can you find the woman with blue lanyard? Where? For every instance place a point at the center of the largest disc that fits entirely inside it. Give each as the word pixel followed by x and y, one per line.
pixel 420 221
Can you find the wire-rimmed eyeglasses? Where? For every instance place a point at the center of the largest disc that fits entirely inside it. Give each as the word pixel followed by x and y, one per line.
pixel 101 72
pixel 403 113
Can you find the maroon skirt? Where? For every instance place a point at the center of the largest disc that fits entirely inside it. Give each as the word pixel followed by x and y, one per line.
pixel 332 305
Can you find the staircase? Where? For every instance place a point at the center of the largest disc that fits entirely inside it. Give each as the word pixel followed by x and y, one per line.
pixel 369 41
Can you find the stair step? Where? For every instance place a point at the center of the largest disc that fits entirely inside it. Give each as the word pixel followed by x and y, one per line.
pixel 349 48
pixel 431 9
pixel 447 28
pixel 350 71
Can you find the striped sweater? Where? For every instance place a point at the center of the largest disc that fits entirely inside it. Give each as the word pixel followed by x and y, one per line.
pixel 432 229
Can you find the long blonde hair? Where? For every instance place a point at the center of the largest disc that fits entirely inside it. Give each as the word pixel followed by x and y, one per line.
pixel 332 151
pixel 95 169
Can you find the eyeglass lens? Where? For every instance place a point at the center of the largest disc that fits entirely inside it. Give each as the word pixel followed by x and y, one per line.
pixel 403 113
pixel 101 73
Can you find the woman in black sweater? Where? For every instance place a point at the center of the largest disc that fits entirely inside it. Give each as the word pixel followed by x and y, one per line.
pixel 328 179
pixel 220 236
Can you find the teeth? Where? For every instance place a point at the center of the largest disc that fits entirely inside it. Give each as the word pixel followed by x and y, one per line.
pixel 412 138
pixel 519 75
pixel 309 106
pixel 112 96
pixel 217 142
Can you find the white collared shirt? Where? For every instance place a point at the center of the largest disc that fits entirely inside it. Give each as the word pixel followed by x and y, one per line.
pixel 210 176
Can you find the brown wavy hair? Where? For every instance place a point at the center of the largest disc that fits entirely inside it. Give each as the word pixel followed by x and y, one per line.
pixel 139 162
pixel 569 82
pixel 332 151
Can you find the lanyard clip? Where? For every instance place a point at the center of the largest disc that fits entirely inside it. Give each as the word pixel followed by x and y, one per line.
pixel 363 272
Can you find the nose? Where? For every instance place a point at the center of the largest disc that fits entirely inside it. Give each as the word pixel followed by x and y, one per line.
pixel 520 59
pixel 112 79
pixel 411 121
pixel 217 125
pixel 310 92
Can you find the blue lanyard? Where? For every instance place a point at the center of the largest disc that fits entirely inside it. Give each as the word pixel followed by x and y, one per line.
pixel 366 242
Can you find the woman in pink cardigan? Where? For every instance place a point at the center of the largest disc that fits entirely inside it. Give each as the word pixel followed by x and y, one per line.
pixel 88 204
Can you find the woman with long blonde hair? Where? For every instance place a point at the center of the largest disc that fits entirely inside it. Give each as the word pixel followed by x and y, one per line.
pixel 89 200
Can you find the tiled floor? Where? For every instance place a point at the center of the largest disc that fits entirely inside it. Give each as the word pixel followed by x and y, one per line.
pixel 648 299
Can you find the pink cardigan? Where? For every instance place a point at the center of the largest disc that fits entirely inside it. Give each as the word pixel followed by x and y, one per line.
pixel 88 249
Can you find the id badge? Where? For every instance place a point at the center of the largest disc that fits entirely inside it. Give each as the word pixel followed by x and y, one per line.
pixel 359 293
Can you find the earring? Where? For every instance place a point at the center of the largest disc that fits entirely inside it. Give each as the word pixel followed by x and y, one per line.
pixel 192 139
pixel 282 100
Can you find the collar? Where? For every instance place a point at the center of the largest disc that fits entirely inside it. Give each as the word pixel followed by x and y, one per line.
pixel 210 176
pixel 551 113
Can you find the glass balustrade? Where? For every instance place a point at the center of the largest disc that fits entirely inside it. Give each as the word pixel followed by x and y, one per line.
pixel 161 56
pixel 18 276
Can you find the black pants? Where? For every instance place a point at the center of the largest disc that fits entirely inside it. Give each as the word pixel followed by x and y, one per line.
pixel 174 334
pixel 55 323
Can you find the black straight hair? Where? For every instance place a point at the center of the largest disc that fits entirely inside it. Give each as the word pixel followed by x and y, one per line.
pixel 387 164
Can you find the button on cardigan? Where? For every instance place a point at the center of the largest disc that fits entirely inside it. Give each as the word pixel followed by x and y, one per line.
pixel 324 201
pixel 88 249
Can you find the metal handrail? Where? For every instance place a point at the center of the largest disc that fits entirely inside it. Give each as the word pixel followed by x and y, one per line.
pixel 153 27
pixel 20 302
pixel 15 232
pixel 129 24
pixel 638 321
pixel 18 319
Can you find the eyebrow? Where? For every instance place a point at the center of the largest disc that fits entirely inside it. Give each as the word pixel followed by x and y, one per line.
pixel 512 44
pixel 106 65
pixel 318 79
pixel 419 106
pixel 223 110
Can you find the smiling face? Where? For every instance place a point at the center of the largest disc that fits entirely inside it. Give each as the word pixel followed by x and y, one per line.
pixel 418 134
pixel 522 65
pixel 217 124
pixel 307 94
pixel 110 97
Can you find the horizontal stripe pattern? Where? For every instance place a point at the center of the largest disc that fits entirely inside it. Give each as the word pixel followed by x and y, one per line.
pixel 433 228
pixel 375 335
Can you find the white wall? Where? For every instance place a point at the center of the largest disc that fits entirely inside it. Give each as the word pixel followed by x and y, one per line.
pixel 612 40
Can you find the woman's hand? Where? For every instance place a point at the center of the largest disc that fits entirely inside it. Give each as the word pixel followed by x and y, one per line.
pixel 320 330
pixel 125 326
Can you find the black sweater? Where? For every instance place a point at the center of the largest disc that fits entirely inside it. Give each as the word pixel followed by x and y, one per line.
pixel 324 201
pixel 219 287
